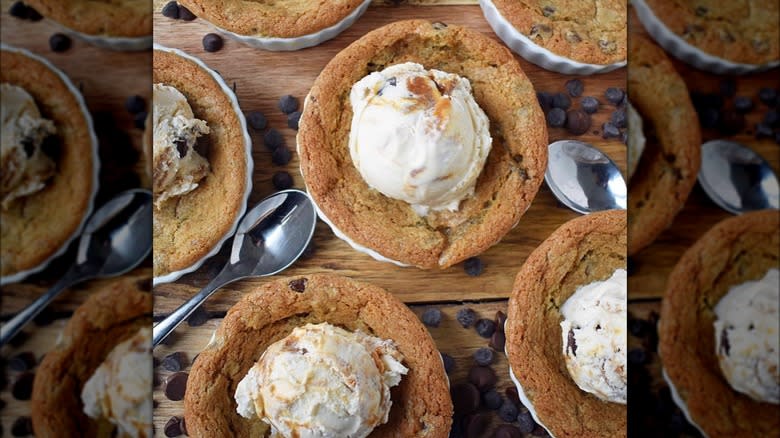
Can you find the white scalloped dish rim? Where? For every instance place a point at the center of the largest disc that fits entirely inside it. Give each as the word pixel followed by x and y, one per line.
pixel 534 53
pixel 276 44
pixel 21 275
pixel 175 275
pixel 687 53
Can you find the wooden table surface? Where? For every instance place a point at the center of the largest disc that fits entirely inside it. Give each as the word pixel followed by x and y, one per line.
pixel 260 79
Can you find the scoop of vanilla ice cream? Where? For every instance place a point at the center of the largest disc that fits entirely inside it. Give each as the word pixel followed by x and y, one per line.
pixel 594 337
pixel 322 381
pixel 25 167
pixel 747 341
pixel 636 139
pixel 120 389
pixel 177 167
pixel 419 136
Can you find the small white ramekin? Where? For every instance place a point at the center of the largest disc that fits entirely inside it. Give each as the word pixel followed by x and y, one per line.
pixel 534 53
pixel 173 276
pixel 680 402
pixel 687 53
pixel 21 275
pixel 301 42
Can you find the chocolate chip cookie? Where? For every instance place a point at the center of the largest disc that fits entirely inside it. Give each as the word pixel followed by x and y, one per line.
pixel 421 403
pixel 584 250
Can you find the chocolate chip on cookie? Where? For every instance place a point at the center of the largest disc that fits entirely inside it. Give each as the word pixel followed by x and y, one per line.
pixel 176 386
pixel 298 285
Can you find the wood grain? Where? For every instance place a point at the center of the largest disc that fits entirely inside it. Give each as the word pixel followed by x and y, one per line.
pixel 650 267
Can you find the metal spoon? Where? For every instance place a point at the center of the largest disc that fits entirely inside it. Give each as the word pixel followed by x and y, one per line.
pixel 269 239
pixel 115 240
pixel 737 178
pixel 584 178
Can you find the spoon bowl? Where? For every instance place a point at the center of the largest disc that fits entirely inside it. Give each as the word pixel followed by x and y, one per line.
pixel 270 238
pixel 737 178
pixel 584 178
pixel 117 237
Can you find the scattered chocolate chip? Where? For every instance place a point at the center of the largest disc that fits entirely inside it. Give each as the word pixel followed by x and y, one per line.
pixel 175 361
pixel 609 130
pixel 485 327
pixel 638 327
pixel 135 104
pixel 525 422
pixel 507 431
pixel 483 378
pixel 173 427
pixel 59 42
pixel 492 400
pixel 2 406
pixel 539 431
pixel 772 118
pixel 292 120
pixel 273 139
pixel 709 117
pixel 728 87
pixel 144 284
pixel 465 398
pixel 256 120
pixel 22 389
pixel 299 284
pixel 614 95
pixel 637 356
pixel 24 12
pixel 545 100
pixel 22 426
pixel 512 395
pixel 561 100
pixel 476 425
pixel 282 180
pixel 743 104
pixel 183 423
pixel 198 317
pixel 483 356
pixel 589 104
pixel 732 122
pixel 171 10
pixel 498 340
pixel 508 411
pixel 764 131
pixel 448 361
pixel 281 156
pixel 431 317
pixel 556 117
pixel 473 266
pixel 577 122
pixel 288 104
pixel 19 339
pixel 618 117
pixel 176 385
pixel 575 87
pixel 712 100
pixel 185 14
pixel 768 96
pixel 139 120
pixel 466 317
pixel 212 42
pixel 500 320
pixel 24 361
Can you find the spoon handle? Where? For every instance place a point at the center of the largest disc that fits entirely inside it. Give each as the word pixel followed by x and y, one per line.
pixel 162 329
pixel 15 324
